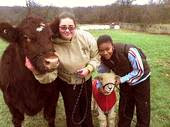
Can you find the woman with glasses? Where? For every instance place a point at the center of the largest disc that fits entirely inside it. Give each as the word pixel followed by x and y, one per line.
pixel 78 55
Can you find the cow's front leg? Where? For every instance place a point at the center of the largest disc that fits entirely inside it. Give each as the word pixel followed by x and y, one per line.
pixel 49 113
pixel 17 117
pixel 50 109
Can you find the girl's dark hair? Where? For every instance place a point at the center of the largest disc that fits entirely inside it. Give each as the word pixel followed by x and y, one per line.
pixel 104 39
pixel 55 23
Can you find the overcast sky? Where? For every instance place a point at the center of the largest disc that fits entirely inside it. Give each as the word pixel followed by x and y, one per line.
pixel 65 3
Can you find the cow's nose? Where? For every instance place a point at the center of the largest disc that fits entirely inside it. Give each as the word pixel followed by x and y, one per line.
pixel 51 63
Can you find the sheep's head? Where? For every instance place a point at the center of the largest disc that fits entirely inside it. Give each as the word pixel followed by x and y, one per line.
pixel 108 82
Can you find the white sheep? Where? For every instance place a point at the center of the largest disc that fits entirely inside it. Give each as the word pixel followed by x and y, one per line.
pixel 107 101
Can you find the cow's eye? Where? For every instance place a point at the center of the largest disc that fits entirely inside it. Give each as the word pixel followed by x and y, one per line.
pixel 27 38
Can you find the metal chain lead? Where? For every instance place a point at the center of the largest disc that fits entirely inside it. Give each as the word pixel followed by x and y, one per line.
pixel 76 104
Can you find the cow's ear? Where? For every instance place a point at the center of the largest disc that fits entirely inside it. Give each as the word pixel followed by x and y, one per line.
pixel 8 32
pixel 54 25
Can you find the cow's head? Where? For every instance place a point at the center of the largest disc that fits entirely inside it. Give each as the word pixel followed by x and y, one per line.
pixel 33 40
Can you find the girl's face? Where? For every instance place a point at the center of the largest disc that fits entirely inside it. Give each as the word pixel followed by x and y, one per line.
pixel 67 28
pixel 106 50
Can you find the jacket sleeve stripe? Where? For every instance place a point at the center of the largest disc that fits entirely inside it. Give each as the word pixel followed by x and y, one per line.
pixel 137 65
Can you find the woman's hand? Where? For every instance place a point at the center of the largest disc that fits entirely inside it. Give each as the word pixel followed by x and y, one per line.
pixel 30 66
pixel 83 72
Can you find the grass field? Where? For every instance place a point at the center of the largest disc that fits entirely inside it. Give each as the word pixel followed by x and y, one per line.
pixel 157 49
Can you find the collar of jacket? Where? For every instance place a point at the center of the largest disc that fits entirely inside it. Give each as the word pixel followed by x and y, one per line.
pixel 60 41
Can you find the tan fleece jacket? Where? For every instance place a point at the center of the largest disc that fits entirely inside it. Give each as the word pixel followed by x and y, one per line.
pixel 78 53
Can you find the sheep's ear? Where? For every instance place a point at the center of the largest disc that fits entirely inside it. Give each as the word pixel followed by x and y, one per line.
pixel 99 77
pixel 117 77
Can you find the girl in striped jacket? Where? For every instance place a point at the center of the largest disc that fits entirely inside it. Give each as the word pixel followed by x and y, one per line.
pixel 129 62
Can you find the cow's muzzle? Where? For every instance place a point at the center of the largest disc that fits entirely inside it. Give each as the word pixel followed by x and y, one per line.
pixel 51 63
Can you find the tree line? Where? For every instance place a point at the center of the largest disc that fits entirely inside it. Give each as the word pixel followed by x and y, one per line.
pixel 121 11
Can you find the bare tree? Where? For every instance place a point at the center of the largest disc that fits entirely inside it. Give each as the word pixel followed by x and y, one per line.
pixel 151 2
pixel 125 2
pixel 167 2
pixel 160 1
pixel 30 5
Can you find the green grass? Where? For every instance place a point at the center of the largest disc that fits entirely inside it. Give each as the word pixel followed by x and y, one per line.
pixel 157 49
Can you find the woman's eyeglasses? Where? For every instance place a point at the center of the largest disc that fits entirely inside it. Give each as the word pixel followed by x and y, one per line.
pixel 64 28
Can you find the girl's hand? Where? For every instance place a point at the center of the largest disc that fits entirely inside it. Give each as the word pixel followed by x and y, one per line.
pixel 117 82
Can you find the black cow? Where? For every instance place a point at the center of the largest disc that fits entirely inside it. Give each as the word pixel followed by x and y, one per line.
pixel 21 91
